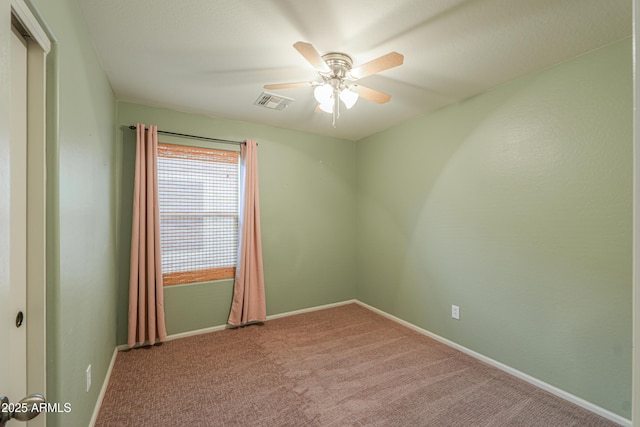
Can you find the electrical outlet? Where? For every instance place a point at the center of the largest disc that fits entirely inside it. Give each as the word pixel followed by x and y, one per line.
pixel 88 377
pixel 455 312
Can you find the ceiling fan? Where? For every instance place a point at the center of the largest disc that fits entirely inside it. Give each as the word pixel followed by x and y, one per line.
pixel 338 77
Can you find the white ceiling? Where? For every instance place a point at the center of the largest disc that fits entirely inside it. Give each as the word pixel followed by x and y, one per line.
pixel 213 56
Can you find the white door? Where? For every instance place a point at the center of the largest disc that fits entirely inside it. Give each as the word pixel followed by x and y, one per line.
pixel 18 218
pixel 13 247
pixel 22 253
pixel 5 300
pixel 14 233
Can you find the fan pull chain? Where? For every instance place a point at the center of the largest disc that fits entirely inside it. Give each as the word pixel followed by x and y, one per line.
pixel 336 106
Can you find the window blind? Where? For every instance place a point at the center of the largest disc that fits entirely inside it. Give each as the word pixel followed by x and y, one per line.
pixel 198 193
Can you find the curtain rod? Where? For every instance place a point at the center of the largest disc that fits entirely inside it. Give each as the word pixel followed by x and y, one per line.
pixel 205 138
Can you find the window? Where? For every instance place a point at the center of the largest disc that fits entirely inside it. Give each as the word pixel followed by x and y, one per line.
pixel 198 193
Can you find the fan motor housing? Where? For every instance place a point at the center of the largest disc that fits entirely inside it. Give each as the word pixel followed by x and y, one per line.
pixel 339 63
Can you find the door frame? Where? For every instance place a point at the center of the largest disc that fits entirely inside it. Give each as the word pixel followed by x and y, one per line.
pixel 38 46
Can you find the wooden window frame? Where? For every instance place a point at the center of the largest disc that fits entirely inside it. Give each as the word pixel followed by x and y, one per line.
pixel 188 152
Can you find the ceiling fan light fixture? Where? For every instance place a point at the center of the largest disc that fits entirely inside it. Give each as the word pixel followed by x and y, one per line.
pixel 348 97
pixel 323 93
pixel 327 107
pixel 337 73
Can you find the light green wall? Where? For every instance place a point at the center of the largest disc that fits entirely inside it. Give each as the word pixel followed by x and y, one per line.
pixel 307 185
pixel 515 205
pixel 81 292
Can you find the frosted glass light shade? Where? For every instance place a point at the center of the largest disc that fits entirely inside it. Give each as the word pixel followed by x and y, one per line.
pixel 327 107
pixel 323 94
pixel 348 97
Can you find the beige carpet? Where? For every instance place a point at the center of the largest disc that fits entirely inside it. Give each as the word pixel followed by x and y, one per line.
pixel 344 366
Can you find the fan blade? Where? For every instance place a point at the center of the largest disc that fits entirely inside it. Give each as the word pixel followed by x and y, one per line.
pixel 385 62
pixel 372 94
pixel 287 85
pixel 312 56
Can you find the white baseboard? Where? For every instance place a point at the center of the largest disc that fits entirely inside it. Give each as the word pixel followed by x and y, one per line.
pixel 123 347
pixel 103 390
pixel 311 309
pixel 521 375
pixel 172 337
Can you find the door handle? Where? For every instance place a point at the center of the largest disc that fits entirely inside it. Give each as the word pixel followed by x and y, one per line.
pixel 27 409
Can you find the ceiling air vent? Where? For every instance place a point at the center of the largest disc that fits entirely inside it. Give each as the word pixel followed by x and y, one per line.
pixel 273 102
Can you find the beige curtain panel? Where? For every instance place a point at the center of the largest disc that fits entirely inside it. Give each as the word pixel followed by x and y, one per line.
pixel 146 299
pixel 249 305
